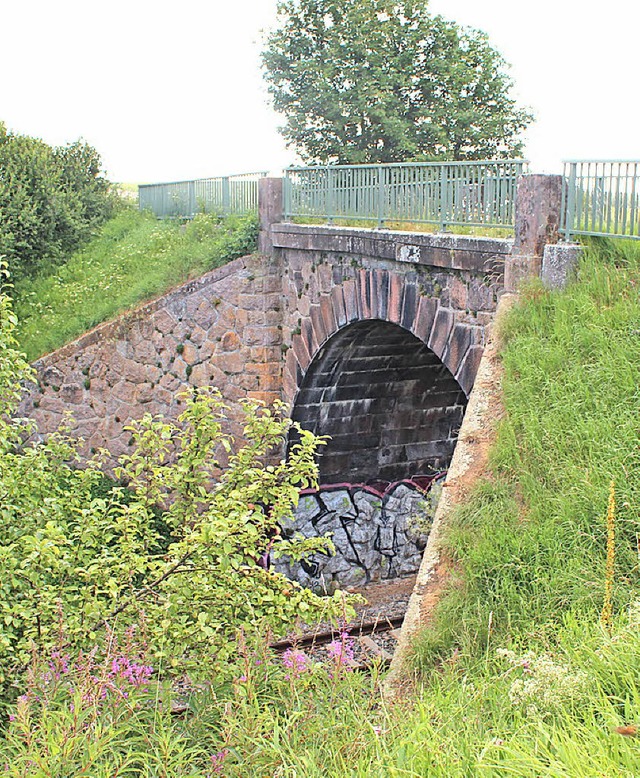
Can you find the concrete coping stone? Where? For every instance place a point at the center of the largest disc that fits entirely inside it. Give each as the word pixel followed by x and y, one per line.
pixel 435 240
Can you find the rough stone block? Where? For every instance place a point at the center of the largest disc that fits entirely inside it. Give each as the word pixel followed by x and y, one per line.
pixel 382 293
pixel 337 301
pixel 325 277
pixel 328 317
pixel 301 351
pixel 459 341
pixel 262 336
pixel 538 212
pixel 442 325
pixel 309 335
pixel 350 300
pixel 519 269
pixel 559 263
pixel 481 297
pixel 230 342
pixel 396 292
pixel 317 323
pixel 200 375
pixel 458 293
pixel 232 363
pixel 466 374
pixel 270 210
pixel 423 322
pixel 163 321
pixel 409 305
pixel 364 293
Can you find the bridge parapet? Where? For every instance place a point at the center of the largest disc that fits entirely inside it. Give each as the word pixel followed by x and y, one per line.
pixel 455 252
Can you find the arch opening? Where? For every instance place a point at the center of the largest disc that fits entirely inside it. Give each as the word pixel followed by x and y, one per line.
pixel 393 412
pixel 391 407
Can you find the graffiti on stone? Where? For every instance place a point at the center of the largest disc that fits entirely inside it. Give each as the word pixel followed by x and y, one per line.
pixel 379 531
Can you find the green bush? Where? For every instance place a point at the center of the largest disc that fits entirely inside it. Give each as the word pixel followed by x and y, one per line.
pixel 98 558
pixel 51 199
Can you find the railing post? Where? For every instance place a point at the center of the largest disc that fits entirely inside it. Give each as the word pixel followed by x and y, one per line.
pixel 287 206
pixel 444 197
pixel 192 200
pixel 226 198
pixel 538 209
pixel 331 177
pixel 569 196
pixel 381 196
pixel 270 208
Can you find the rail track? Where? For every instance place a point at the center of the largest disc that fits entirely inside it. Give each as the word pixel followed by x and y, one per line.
pixel 372 641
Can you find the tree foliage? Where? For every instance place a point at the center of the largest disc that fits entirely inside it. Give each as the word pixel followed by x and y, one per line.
pixel 179 549
pixel 51 198
pixel 386 81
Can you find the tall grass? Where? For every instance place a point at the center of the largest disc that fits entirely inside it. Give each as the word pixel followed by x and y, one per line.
pixel 134 258
pixel 531 543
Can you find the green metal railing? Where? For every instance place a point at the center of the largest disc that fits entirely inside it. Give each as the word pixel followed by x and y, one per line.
pixel 601 197
pixel 477 194
pixel 183 199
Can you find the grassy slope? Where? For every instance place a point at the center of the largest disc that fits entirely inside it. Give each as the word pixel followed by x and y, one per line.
pixel 133 258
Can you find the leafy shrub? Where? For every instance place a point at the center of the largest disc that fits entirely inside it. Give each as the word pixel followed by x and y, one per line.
pixel 77 559
pixel 50 200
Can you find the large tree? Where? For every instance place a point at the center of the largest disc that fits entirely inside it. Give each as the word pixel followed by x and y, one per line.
pixel 384 81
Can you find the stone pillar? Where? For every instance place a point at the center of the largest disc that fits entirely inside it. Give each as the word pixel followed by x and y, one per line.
pixel 270 209
pixel 538 213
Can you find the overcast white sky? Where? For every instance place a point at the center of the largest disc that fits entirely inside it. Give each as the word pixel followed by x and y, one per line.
pixel 173 90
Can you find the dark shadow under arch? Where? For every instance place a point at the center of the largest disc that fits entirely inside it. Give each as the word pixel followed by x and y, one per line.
pixel 390 405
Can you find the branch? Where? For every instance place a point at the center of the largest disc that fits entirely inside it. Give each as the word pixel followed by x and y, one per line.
pixel 141 592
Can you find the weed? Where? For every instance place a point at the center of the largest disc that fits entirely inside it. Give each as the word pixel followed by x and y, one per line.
pixel 606 617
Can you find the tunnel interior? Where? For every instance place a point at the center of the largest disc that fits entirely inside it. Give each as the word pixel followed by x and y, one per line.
pixel 390 406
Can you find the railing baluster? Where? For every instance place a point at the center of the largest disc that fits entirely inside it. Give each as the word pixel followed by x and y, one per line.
pixel 601 198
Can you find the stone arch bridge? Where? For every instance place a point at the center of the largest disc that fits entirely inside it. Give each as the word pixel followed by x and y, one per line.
pixel 372 337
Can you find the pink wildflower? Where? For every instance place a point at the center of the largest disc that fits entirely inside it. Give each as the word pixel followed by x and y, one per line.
pixel 342 651
pixel 295 661
pixel 217 760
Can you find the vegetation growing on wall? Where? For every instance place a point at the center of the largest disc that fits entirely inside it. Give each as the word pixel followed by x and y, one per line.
pixel 133 258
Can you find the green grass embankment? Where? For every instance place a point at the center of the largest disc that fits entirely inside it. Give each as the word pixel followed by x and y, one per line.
pixel 133 258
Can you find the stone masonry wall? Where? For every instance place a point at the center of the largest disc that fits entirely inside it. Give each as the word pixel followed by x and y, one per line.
pixel 252 327
pixel 442 288
pixel 222 329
